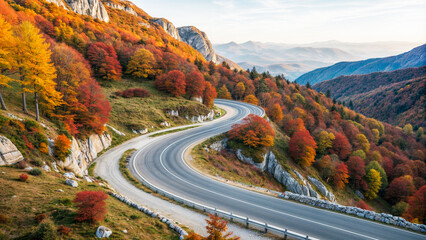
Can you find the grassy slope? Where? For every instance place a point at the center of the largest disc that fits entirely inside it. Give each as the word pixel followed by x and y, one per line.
pixel 22 201
pixel 140 113
pixel 40 195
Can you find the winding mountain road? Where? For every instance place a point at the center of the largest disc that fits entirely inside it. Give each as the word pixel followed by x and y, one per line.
pixel 160 162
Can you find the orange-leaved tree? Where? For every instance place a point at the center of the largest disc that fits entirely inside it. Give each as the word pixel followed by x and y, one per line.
pixel 340 175
pixel 251 99
pixel 209 95
pixel 216 228
pixel 91 206
pixel 276 113
pixel 302 148
pixel 62 147
pixel 253 131
pixel 6 61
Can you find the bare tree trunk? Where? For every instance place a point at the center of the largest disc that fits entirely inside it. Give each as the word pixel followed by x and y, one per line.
pixel 36 105
pixel 24 103
pixel 3 105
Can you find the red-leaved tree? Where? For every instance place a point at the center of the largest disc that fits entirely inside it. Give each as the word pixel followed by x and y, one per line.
pixel 253 131
pixel 356 167
pixel 195 84
pixel 209 95
pixel 400 188
pixel 99 108
pixel 172 82
pixel 417 205
pixel 341 146
pixel 91 206
pixel 302 148
pixel 104 60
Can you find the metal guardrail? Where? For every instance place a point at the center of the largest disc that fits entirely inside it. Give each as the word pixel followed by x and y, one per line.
pixel 285 233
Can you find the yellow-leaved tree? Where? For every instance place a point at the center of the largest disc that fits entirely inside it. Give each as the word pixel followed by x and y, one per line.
pixel 141 64
pixel 35 69
pixel 6 60
pixel 374 184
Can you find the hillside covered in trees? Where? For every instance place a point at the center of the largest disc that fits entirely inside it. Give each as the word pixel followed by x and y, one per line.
pixel 413 58
pixel 65 61
pixel 396 97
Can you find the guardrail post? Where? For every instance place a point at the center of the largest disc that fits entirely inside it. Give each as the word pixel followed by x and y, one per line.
pixel 204 209
pixel 247 222
pixel 307 237
pixel 266 227
pixel 215 213
pixel 285 234
pixel 230 218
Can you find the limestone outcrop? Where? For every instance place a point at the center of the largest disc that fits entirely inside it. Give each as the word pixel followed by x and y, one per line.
pixel 199 41
pixel 125 7
pixel 93 8
pixel 83 152
pixel 9 153
pixel 168 27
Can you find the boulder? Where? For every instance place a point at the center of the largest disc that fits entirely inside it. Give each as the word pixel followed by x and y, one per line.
pixel 69 175
pixel 165 124
pixel 9 153
pixel 71 183
pixel 322 188
pixel 103 232
pixel 359 194
pixel 46 168
pixel 218 146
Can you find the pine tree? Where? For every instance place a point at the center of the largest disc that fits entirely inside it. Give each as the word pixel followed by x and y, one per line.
pixel 35 68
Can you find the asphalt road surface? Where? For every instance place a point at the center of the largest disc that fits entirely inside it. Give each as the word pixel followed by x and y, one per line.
pixel 160 162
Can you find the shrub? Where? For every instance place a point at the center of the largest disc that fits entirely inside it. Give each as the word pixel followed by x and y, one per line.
pixel 40 217
pixel 64 230
pixel 35 172
pixel 133 92
pixel 24 177
pixel 45 231
pixel 43 148
pixel 62 147
pixel 91 206
pixel 399 208
pixel 37 162
pixel 3 219
pixel 363 205
pixel 21 164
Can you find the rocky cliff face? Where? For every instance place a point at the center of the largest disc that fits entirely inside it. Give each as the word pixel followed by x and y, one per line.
pixel 93 8
pixel 84 152
pixel 125 8
pixel 60 3
pixel 9 154
pixel 168 27
pixel 199 41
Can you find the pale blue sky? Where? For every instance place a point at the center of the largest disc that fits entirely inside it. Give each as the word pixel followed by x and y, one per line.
pixel 297 21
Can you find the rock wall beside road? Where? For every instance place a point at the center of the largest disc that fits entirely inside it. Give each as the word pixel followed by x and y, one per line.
pixel 83 152
pixel 371 215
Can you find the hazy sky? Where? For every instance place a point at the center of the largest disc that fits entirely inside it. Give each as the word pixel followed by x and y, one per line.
pixel 297 21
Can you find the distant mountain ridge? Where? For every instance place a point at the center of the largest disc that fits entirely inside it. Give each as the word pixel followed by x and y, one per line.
pixel 293 60
pixel 414 58
pixel 397 97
